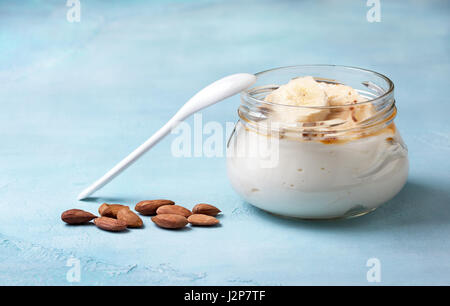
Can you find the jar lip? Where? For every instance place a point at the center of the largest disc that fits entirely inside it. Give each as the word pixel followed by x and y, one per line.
pixel 247 93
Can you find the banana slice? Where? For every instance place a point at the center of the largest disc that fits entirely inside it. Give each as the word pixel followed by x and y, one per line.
pixel 339 94
pixel 304 91
pixel 363 112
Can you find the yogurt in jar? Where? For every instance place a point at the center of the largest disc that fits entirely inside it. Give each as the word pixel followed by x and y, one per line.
pixel 316 150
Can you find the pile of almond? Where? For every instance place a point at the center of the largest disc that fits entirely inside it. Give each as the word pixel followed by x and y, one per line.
pixel 117 217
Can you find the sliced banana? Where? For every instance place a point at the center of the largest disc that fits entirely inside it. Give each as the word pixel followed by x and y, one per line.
pixel 363 112
pixel 339 94
pixel 304 91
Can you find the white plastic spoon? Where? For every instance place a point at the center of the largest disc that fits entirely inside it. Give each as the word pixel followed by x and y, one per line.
pixel 209 95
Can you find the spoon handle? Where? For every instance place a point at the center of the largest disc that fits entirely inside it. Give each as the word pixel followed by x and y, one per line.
pixel 209 95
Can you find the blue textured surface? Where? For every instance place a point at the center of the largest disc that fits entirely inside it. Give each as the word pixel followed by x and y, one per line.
pixel 77 97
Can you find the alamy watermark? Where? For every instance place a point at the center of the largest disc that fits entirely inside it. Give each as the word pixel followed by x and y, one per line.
pixel 215 139
pixel 200 140
pixel 374 13
pixel 374 273
pixel 73 275
pixel 74 11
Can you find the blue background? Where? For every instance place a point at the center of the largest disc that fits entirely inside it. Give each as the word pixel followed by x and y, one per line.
pixel 77 97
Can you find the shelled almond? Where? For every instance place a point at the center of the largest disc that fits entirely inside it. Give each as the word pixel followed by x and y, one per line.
pixel 202 220
pixel 110 210
pixel 174 209
pixel 171 221
pixel 77 216
pixel 149 207
pixel 206 209
pixel 110 224
pixel 129 217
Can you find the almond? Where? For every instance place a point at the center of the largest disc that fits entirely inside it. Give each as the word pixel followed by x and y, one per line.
pixel 174 209
pixel 110 210
pixel 77 216
pixel 170 221
pixel 149 207
pixel 202 220
pixel 205 209
pixel 110 224
pixel 130 218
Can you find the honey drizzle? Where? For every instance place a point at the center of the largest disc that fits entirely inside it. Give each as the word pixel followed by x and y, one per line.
pixel 332 139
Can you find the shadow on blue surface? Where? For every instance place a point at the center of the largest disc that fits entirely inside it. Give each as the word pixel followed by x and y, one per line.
pixel 109 200
pixel 416 204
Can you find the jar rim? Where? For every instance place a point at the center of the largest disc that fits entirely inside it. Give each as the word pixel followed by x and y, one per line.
pixel 247 93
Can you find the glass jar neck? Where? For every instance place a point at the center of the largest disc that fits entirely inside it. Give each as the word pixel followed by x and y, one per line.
pixel 322 123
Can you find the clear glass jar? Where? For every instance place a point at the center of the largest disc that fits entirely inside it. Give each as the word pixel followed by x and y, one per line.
pixel 325 169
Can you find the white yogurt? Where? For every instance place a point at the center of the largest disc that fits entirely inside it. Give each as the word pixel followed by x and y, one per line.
pixel 314 180
pixel 338 154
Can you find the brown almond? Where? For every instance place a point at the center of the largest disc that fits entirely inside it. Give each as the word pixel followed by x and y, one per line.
pixel 110 224
pixel 77 216
pixel 202 220
pixel 205 209
pixel 170 221
pixel 149 207
pixel 130 218
pixel 110 210
pixel 174 209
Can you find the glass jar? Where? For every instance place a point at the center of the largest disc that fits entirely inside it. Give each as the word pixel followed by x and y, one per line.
pixel 325 169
